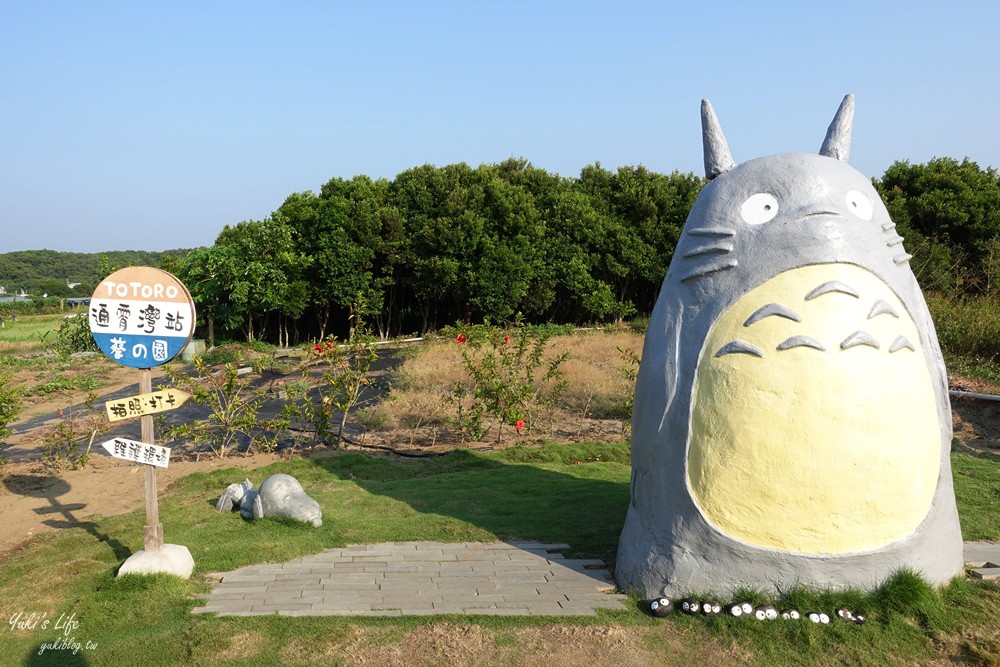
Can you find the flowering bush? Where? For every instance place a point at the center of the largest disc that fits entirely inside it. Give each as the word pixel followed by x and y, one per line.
pixel 504 389
pixel 344 377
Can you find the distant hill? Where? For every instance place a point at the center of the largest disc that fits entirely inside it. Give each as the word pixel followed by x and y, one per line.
pixel 52 272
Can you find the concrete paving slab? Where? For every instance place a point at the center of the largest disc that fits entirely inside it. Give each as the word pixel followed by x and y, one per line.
pixel 418 578
pixel 980 553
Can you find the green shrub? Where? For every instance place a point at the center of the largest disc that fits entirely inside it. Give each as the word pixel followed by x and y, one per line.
pixel 64 445
pixel 10 404
pixel 967 325
pixel 344 377
pixel 223 354
pixel 639 324
pixel 234 404
pixel 74 336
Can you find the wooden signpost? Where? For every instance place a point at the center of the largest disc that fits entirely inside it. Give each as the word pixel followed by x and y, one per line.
pixel 143 317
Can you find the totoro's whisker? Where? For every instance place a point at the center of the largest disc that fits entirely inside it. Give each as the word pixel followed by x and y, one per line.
pixel 772 310
pixel 900 343
pixel 832 286
pixel 715 246
pixel 882 308
pixel 800 341
pixel 859 338
pixel 739 347
pixel 888 226
pixel 711 231
pixel 895 240
pixel 706 269
pixel 902 259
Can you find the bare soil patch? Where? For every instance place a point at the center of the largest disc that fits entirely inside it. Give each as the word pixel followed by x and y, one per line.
pixel 36 501
pixel 976 421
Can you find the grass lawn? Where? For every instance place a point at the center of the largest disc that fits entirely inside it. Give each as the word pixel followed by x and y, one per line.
pixel 556 493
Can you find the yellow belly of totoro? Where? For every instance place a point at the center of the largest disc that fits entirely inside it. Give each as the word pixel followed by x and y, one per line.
pixel 809 451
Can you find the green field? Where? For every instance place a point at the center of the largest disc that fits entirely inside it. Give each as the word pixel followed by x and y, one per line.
pixel 29 334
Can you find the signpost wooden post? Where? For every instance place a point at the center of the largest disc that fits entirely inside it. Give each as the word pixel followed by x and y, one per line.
pixel 153 530
pixel 143 317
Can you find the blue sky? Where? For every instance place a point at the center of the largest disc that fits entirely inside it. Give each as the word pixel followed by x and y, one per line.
pixel 139 125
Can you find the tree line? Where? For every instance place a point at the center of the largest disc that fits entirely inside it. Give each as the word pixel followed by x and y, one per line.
pixel 67 274
pixel 436 245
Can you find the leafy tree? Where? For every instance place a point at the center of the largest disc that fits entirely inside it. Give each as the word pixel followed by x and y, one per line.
pixel 351 233
pixel 253 270
pixel 201 273
pixel 444 225
pixel 53 287
pixel 949 213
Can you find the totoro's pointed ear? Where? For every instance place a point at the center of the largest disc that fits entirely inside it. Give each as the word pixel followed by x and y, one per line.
pixel 838 138
pixel 717 157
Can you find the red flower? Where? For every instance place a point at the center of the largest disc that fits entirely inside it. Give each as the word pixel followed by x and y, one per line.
pixel 318 348
pixel 518 425
pixel 460 339
pixel 329 345
pixel 506 339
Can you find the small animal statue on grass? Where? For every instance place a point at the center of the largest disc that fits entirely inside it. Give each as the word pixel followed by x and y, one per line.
pixel 279 496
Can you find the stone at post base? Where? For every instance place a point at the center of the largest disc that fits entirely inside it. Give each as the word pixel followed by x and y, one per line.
pixel 172 559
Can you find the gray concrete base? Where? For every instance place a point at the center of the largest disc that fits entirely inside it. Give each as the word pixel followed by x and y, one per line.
pixel 170 559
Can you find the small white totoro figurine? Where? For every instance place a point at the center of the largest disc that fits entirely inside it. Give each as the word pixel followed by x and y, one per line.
pixel 791 421
pixel 280 495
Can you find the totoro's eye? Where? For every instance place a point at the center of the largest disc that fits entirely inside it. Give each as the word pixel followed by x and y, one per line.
pixel 759 208
pixel 859 204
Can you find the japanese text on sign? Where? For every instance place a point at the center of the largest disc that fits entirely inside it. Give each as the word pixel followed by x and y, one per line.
pixel 145 404
pixel 138 452
pixel 145 317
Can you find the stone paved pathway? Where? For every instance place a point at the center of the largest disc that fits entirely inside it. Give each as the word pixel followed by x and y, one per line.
pixel 420 578
pixel 985 558
pixel 425 578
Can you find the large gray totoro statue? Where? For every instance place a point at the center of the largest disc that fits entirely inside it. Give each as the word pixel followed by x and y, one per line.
pixel 279 495
pixel 791 421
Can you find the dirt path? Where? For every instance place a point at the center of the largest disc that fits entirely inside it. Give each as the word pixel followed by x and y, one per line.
pixel 35 501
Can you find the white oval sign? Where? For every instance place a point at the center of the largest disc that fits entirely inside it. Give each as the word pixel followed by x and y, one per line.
pixel 141 317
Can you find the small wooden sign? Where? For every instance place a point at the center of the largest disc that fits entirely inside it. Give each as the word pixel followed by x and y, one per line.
pixel 138 452
pixel 145 404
